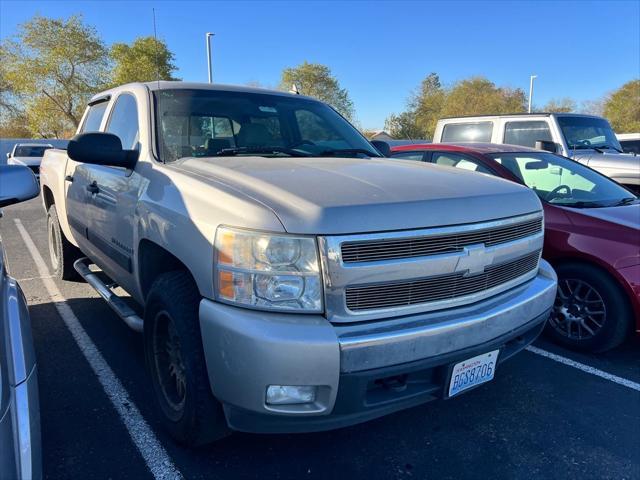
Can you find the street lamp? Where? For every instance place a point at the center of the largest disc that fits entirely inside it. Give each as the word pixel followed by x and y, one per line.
pixel 531 90
pixel 208 39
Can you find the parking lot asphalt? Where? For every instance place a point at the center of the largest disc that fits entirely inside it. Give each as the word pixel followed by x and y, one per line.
pixel 539 418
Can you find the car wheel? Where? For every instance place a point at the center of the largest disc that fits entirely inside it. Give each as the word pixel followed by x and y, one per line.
pixel 62 253
pixel 176 362
pixel 591 312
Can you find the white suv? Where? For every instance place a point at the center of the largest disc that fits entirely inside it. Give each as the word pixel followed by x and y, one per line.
pixel 586 138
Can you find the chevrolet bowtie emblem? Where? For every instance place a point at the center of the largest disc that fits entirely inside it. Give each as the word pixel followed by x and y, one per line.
pixel 474 259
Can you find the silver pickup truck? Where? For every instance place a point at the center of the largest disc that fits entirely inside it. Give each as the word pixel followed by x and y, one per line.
pixel 290 278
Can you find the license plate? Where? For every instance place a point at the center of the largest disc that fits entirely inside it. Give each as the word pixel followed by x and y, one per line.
pixel 472 372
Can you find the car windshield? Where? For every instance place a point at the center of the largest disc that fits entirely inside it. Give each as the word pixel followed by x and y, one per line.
pixel 209 123
pixel 561 181
pixel 30 151
pixel 587 133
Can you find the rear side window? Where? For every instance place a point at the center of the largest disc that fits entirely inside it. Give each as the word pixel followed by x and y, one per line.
pixel 123 121
pixel 467 132
pixel 94 117
pixel 526 133
pixel 456 160
pixel 409 155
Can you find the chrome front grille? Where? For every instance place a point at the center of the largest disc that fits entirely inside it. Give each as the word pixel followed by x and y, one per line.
pixel 441 287
pixel 387 249
pixel 375 276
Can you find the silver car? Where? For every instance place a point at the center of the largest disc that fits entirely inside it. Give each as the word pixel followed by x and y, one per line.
pixel 20 449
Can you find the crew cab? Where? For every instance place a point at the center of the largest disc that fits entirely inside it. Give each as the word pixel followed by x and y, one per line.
pixel 290 278
pixel 586 138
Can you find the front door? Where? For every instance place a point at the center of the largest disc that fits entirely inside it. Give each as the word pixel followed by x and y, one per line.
pixel 114 197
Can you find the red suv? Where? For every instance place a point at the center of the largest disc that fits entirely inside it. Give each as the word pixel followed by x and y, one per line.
pixel 592 236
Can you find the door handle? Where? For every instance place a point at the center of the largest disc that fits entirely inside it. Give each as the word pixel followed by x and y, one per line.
pixel 68 178
pixel 93 188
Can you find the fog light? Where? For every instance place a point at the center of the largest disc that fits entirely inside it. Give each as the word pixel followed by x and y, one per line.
pixel 290 394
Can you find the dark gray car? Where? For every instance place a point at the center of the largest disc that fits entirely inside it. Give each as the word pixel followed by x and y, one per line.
pixel 20 449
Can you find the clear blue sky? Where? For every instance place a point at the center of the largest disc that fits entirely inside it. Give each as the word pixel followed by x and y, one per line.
pixel 380 51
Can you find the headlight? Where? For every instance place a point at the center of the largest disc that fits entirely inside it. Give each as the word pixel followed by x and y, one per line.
pixel 271 271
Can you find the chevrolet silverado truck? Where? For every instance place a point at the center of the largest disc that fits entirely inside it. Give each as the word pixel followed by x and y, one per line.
pixel 587 139
pixel 285 276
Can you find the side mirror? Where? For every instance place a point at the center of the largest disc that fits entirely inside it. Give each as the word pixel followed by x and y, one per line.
pixel 100 148
pixel 382 147
pixel 546 145
pixel 8 155
pixel 17 184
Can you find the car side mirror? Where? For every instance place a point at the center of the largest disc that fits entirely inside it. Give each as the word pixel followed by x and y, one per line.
pixel 382 147
pixel 546 145
pixel 17 184
pixel 8 155
pixel 101 148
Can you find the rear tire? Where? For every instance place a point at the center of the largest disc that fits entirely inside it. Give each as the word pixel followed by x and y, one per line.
pixel 176 362
pixel 62 253
pixel 591 312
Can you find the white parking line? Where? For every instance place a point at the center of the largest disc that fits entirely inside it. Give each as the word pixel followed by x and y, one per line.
pixel 585 368
pixel 154 455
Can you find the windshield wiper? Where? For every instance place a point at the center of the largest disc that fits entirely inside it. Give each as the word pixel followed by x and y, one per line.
pixel 346 151
pixel 625 201
pixel 266 150
pixel 580 204
pixel 599 148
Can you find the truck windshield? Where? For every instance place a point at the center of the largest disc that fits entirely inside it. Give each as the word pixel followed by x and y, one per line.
pixel 209 123
pixel 588 133
pixel 561 181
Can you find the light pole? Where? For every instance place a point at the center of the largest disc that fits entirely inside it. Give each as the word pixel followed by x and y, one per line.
pixel 531 90
pixel 208 38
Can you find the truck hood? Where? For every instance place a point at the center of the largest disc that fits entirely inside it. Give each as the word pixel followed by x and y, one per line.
pixel 350 195
pixel 611 159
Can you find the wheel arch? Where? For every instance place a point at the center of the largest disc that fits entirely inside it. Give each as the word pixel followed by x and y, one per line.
pixel 153 261
pixel 597 264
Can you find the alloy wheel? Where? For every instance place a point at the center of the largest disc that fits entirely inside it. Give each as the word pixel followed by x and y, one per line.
pixel 579 312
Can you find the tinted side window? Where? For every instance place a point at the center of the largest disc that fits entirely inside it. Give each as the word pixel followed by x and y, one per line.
pixel 526 133
pixel 467 132
pixel 450 159
pixel 94 117
pixel 630 146
pixel 124 121
pixel 409 155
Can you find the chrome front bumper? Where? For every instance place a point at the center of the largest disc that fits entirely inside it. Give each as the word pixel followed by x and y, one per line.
pixel 248 350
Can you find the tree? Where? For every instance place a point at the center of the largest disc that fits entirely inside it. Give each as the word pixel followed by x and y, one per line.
pixel 561 105
pixel 317 81
pixel 62 61
pixel 622 108
pixel 145 60
pixel 432 101
pixel 479 96
pixel 403 125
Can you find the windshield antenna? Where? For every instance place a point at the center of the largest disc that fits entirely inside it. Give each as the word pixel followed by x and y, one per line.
pixel 155 40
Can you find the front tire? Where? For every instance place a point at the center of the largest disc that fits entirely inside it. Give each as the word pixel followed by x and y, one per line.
pixel 62 253
pixel 175 358
pixel 591 312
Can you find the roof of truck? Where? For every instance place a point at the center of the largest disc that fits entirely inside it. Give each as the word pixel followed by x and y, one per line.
pixel 176 85
pixel 532 114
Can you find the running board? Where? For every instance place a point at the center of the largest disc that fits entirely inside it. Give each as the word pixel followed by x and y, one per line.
pixel 116 303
